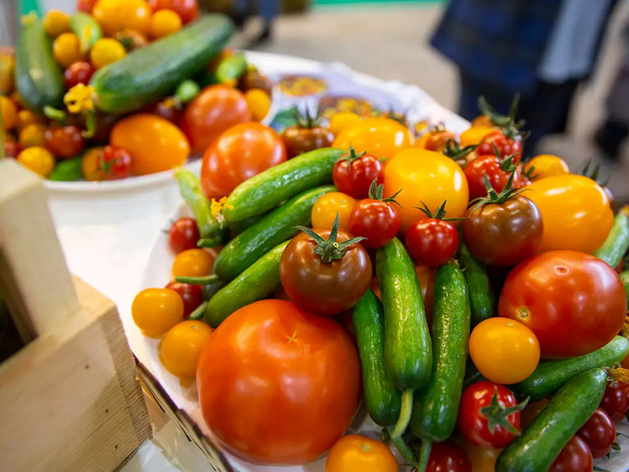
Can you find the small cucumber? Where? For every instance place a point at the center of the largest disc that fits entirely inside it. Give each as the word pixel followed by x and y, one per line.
pixel 482 301
pixel 436 405
pixel 277 184
pixel 615 246
pixel 568 410
pixel 257 282
pixel 190 189
pixel 382 399
pixel 238 227
pixel 68 171
pixel 624 276
pixel 549 376
pixel 276 227
pixel 86 28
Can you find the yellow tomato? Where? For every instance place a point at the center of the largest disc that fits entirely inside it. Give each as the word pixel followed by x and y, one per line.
pixel 354 453
pixel 105 51
pixel 7 71
pixel 193 263
pixel 33 135
pixel 67 49
pixel 27 117
pixel 575 211
pixel 504 350
pixel 342 120
pixel 482 120
pixel 56 22
pixel 381 137
pixel 91 165
pixel 547 165
pixel 326 207
pixel 154 143
pixel 182 346
pixel 483 460
pixel 475 135
pixel 118 15
pixel 38 159
pixel 8 108
pixel 259 103
pixel 156 310
pixel 425 176
pixel 165 22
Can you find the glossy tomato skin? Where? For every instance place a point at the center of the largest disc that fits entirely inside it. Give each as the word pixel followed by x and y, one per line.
pixel 64 141
pixel 506 146
pixel 375 220
pixel 216 109
pixel 504 234
pixel 78 73
pixel 326 208
pixel 448 457
pixel 355 179
pixel 436 141
pixel 360 454
pixel 188 10
pixel 326 289
pixel 380 137
pixel 183 234
pixel 299 140
pixel 475 173
pixel 573 302
pixel 615 402
pixel 238 154
pixel 191 295
pixel 116 163
pixel 574 457
pixel 432 242
pixel 263 348
pixel 599 432
pixel 473 423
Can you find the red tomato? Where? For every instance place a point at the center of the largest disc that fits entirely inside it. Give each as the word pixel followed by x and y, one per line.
pixel 238 154
pixel 437 139
pixel 191 295
pixel 599 433
pixel 448 457
pixel 573 302
pixel 85 5
pixel 376 220
pixel 188 10
pixel 507 146
pixel 216 109
pixel 287 386
pixel 574 457
pixel 354 173
pixel 183 234
pixel 78 73
pixel 498 173
pixel 64 141
pixel 432 242
pixel 11 147
pixel 475 409
pixel 116 162
pixel 616 400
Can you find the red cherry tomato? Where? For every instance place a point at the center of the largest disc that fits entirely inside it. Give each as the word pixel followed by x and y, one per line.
pixel 506 146
pixel 78 73
pixel 192 296
pixel 375 220
pixel 188 10
pixel 437 139
pixel 85 5
pixel 11 147
pixel 354 173
pixel 64 141
pixel 448 457
pixel 497 172
pixel 616 400
pixel 183 234
pixel 574 457
pixel 117 162
pixel 599 432
pixel 432 242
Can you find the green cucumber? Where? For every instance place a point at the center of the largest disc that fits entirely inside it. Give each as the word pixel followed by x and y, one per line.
pixel 192 193
pixel 568 410
pixel 257 282
pixel 549 376
pixel 276 227
pixel 86 28
pixel 615 246
pixel 39 79
pixel 238 227
pixel 436 406
pixel 624 276
pixel 382 399
pixel 68 170
pixel 279 183
pixel 150 73
pixel 482 301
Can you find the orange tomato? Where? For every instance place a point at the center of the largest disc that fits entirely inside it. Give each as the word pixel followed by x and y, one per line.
pixel 7 71
pixel 165 22
pixel 483 460
pixel 117 15
pixel 8 108
pixel 195 262
pixel 67 49
pixel 325 209
pixel 575 211
pixel 182 346
pixel 27 117
pixel 475 135
pixel 380 137
pixel 188 10
pixel 33 135
pixel 91 165
pixel 154 143
pixel 547 165
pixel 156 310
pixel 354 453
pixel 425 176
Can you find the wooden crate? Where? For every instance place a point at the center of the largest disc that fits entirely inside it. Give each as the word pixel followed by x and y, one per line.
pixel 70 399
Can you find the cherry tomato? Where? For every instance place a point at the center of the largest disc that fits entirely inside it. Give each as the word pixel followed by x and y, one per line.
pixel 191 295
pixel 354 173
pixel 244 398
pixel 85 5
pixel 27 117
pixel 166 109
pixel 108 163
pixel 37 159
pixel 376 220
pixel 599 433
pixel 164 23
pixel 573 302
pixel 483 460
pixel 380 137
pixel 106 51
pixel 306 136
pixel 574 457
pixel 216 109
pixel 615 402
pixel 33 135
pixel 156 310
pixel 7 71
pixel 78 73
pixel 183 234
pixel 56 22
pixel 436 139
pixel 118 15
pixel 67 49
pixel 326 208
pixel 9 111
pixel 341 120
pixel 64 141
pixel 448 457
pixel 131 39
pixel 575 210
pixel 475 135
pixel 253 80
pixel 432 242
pixel 188 10
pixel 360 454
pixel 498 173
pixel 425 176
pixel 193 263
pixel 547 165
pixel 259 103
pixel 328 287
pixel 182 346
pixel 506 146
pixel 241 152
pixel 488 399
pixel 12 148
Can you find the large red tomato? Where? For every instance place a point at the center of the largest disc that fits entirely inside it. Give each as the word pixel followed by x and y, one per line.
pixel 278 384
pixel 573 302
pixel 216 109
pixel 239 153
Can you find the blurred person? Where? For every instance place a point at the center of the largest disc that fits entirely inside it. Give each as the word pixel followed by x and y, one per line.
pixel 540 48
pixel 266 9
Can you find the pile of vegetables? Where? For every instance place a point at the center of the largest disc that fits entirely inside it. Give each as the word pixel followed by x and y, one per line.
pixel 123 88
pixel 475 303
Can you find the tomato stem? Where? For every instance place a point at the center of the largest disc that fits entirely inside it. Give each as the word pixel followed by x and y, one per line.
pixel 376 192
pixel 351 156
pixel 424 455
pixel 440 214
pixel 455 152
pixel 497 415
pixel 405 414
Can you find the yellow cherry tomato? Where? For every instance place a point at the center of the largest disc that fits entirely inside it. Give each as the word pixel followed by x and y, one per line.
pixel 105 51
pixel 475 135
pixel 258 102
pixel 547 165
pixel 33 135
pixel 27 117
pixel 327 206
pixel 575 211
pixel 7 71
pixel 193 263
pixel 156 310
pixel 67 49
pixel 483 460
pixel 342 120
pixel 56 23
pixel 91 165
pixel 355 453
pixel 38 159
pixel 482 120
pixel 118 15
pixel 425 176
pixel 380 137
pixel 165 22
pixel 504 350
pixel 8 108
pixel 182 346
pixel 154 143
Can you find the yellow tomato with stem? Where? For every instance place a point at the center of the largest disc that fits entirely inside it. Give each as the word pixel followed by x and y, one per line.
pixel 547 165
pixel 106 51
pixel 181 347
pixel 425 176
pixel 342 120
pixel 156 310
pixel 67 49
pixel 165 22
pixel 118 15
pixel 8 108
pixel 33 135
pixel 56 23
pixel 475 135
pixel 380 137
pixel 325 209
pixel 259 103
pixel 195 262
pixel 355 453
pixel 38 159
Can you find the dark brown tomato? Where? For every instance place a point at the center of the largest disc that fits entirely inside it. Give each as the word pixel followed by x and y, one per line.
pixel 254 80
pixel 299 140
